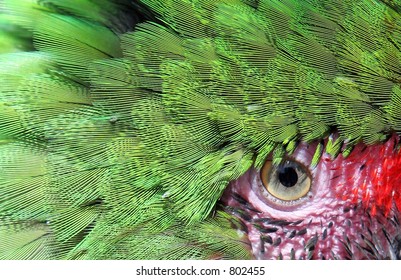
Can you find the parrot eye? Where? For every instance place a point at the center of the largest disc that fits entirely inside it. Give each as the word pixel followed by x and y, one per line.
pixel 288 181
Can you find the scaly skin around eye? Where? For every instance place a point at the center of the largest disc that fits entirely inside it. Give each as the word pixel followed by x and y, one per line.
pixel 340 217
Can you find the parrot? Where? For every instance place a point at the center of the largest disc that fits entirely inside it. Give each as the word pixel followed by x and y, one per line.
pixel 200 129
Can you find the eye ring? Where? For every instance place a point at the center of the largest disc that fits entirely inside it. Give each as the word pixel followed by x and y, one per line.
pixel 287 182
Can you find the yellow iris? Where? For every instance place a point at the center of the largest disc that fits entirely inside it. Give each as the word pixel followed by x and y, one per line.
pixel 288 181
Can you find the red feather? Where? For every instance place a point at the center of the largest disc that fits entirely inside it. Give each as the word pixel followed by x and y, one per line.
pixel 381 168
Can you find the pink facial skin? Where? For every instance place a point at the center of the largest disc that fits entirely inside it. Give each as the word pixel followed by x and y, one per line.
pixel 334 220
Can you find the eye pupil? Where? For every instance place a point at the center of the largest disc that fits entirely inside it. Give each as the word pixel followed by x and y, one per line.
pixel 288 177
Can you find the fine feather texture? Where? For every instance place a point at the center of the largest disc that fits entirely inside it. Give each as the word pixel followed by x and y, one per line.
pixel 117 141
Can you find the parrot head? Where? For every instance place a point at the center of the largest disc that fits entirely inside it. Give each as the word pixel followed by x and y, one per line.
pixel 200 129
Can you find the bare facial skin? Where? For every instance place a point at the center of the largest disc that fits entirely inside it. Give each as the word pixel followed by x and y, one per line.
pixel 343 213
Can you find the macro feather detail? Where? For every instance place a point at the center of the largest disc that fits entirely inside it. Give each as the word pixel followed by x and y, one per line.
pixel 125 126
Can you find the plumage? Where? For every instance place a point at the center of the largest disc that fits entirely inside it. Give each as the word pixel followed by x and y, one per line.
pixel 125 125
